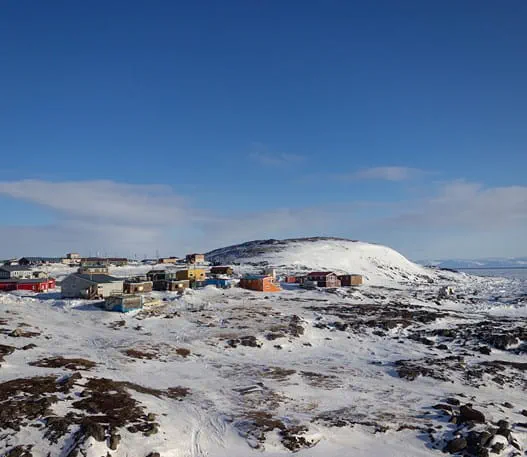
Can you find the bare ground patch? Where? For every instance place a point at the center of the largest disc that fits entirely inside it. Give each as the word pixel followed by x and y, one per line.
pixel 60 362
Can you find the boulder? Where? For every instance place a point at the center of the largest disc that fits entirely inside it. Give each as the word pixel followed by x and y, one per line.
pixel 443 407
pixel 97 431
pixel 503 424
pixel 456 445
pixel 469 414
pixel 114 441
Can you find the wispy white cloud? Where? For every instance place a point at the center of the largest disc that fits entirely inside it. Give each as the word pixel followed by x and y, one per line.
pixel 132 219
pixel 97 215
pixel 395 174
pixel 462 204
pixel 103 200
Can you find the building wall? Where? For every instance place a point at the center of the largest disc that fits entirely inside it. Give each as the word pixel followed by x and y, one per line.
pixel 101 269
pixel 221 270
pixel 7 286
pixel 195 258
pixel 171 285
pixel 192 274
pixel 329 280
pixel 39 274
pixel 350 280
pixel 261 285
pixel 75 287
pixel 138 287
pixel 22 274
pixel 168 260
pixel 219 282
pixel 107 289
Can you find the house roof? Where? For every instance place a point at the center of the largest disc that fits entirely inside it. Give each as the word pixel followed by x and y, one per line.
pixel 97 278
pixel 42 259
pixel 321 273
pixel 14 268
pixel 25 281
pixel 33 281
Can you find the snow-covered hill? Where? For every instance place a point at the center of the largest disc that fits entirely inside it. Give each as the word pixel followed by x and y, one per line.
pixel 378 264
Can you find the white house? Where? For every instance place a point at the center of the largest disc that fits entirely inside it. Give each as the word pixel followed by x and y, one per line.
pixel 91 286
pixel 15 272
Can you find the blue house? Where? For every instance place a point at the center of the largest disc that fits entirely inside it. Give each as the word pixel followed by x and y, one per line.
pixel 220 283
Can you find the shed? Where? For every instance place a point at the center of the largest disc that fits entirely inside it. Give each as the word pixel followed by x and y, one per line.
pixel 94 286
pixel 123 303
pixel 260 283
pixel 350 280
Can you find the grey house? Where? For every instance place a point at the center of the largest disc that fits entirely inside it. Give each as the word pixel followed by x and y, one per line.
pixel 91 286
pixel 15 272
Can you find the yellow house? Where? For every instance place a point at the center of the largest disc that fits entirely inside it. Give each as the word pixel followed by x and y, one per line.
pixel 192 274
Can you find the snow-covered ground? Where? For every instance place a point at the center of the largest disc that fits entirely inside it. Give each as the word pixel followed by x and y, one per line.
pixel 356 372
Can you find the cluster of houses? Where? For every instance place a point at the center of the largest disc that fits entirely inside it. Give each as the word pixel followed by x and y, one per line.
pixel 20 277
pixel 71 259
pixel 92 279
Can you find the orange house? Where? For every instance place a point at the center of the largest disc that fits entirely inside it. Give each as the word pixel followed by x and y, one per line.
pixel 260 283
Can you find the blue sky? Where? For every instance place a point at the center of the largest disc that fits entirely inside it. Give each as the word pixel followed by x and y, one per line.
pixel 395 122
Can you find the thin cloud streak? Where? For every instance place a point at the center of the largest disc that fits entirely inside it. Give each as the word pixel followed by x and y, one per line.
pixel 394 174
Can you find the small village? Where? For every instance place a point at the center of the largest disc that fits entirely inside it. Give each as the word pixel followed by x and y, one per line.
pixel 92 279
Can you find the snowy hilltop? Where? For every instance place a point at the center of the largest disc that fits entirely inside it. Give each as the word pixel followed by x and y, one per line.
pixel 378 264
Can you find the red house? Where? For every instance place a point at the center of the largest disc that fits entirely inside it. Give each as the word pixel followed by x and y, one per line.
pixel 260 283
pixel 34 285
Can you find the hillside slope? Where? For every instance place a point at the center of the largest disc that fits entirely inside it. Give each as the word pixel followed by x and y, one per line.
pixel 378 264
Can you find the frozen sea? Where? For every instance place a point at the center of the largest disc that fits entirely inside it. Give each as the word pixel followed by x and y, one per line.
pixel 510 273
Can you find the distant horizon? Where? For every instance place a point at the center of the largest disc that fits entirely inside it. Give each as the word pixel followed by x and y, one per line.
pixel 182 255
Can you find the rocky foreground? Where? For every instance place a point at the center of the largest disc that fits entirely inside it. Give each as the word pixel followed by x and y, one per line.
pixel 372 371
